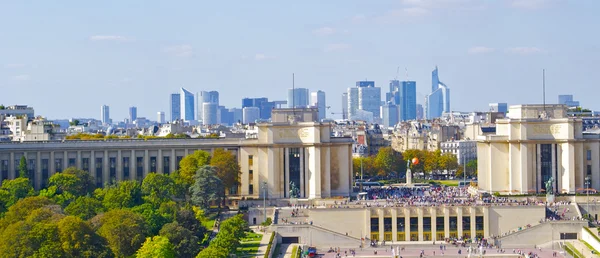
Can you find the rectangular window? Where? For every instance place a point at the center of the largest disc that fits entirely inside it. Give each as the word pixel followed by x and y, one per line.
pixel 139 169
pixel 72 162
pixel 589 154
pixel 453 224
pixel 426 224
pixel 466 223
pixel 414 224
pixel 400 225
pixel 567 236
pixel 374 224
pixel 31 170
pixel 99 172
pixel 4 169
pixel 45 173
pixel 250 175
pixel 152 164
pixel 58 165
pixel 179 158
pixel 439 224
pixel 387 224
pixel 251 189
pixel 589 170
pixel 126 168
pixel 166 165
pixel 233 190
pixel 250 160
pixel 113 169
pixel 479 223
pixel 85 164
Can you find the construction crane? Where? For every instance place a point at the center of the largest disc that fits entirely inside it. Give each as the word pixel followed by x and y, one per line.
pixel 334 113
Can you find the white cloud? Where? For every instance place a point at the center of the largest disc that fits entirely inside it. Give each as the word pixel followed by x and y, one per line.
pixel 109 38
pixel 481 50
pixel 261 57
pixel 524 50
pixel 529 4
pixel 22 77
pixel 337 47
pixel 180 50
pixel 324 31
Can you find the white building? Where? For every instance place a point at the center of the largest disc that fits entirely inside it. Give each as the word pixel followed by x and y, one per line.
pixel 160 117
pixel 464 151
pixel 209 113
pixel 352 102
pixel 105 114
pixel 317 99
pixel 250 114
pixel 536 143
pixel 17 110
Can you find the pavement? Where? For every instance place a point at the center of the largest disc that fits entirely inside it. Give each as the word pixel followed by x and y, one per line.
pixel 583 249
pixel 434 251
pixel 264 242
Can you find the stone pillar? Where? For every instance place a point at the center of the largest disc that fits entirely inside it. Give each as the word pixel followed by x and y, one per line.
pixel 302 172
pixel 473 231
pixel 119 166
pixel 381 212
pixel 271 178
pixel 38 170
pixel 459 221
pixel 538 169
pixel 446 222
pixel 394 212
pixel 146 163
pixel 132 166
pixel 159 162
pixel 286 170
pixel 420 221
pixel 93 166
pixel 12 166
pixel 434 224
pixel 51 165
pixel 367 232
pixel 105 168
pixel 78 161
pixel 186 152
pixel 407 224
pixel 173 160
pixel 65 160
pixel 486 222
pixel 326 170
pixel 314 172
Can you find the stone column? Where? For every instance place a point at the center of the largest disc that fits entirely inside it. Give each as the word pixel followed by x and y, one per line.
pixel 11 166
pixel 78 161
pixel 314 168
pixel 538 169
pixel 446 222
pixel 420 222
pixel 286 170
pixel 38 170
pixel 486 222
pixel 105 168
pixel 65 160
pixel 93 166
pixel 159 162
pixel 173 161
pixel 302 172
pixel 146 163
pixel 381 212
pixel 394 224
pixel 434 224
pixel 407 224
pixel 473 231
pixel 132 166
pixel 51 165
pixel 119 166
pixel 326 170
pixel 459 221
pixel 271 178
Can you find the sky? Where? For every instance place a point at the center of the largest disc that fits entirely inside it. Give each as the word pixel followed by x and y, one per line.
pixel 68 58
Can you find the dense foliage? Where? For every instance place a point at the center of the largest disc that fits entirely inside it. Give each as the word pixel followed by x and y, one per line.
pixel 152 218
pixel 389 162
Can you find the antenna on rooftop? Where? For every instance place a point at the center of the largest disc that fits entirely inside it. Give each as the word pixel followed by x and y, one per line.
pixel 406 69
pixel 544 88
pixel 293 95
pixel 397 72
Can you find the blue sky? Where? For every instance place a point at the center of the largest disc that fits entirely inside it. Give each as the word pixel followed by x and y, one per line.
pixel 67 58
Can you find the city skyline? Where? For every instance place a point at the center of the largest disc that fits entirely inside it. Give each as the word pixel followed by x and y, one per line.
pixel 155 54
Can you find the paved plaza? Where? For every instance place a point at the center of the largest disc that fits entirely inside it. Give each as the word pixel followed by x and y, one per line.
pixel 434 251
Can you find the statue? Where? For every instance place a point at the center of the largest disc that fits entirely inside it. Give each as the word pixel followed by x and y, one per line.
pixel 293 190
pixel 549 184
pixel 408 164
pixel 408 173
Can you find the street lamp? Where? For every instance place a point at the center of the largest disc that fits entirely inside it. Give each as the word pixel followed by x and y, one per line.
pixel 587 191
pixel 265 199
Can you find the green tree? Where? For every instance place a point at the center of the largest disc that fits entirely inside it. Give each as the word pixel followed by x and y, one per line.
pixel 368 166
pixel 207 187
pixel 230 233
pixel 85 207
pixel 157 246
pixel 74 122
pixel 448 161
pixel 157 188
pixel 78 239
pixel 409 155
pixel 23 171
pixel 213 252
pixel 17 189
pixel 22 208
pixel 124 230
pixel 187 219
pixel 191 163
pixel 472 167
pixel 36 235
pixel 154 220
pixel 185 242
pixel 2 107
pixel 125 194
pixel 84 184
pixel 388 160
pixel 228 169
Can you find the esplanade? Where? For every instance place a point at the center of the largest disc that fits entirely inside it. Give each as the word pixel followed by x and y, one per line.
pixel 301 152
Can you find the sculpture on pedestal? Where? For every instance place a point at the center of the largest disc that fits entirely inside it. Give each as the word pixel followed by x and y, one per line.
pixel 408 173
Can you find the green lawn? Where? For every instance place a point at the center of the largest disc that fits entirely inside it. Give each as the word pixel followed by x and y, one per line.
pixel 447 182
pixel 251 236
pixel 209 222
pixel 249 245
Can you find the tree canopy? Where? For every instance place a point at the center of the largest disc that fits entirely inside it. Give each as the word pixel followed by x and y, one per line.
pixel 207 187
pixel 157 246
pixel 227 166
pixel 191 163
pixel 124 230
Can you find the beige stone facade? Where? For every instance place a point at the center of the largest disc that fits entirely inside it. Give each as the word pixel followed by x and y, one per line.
pixel 536 143
pixel 303 152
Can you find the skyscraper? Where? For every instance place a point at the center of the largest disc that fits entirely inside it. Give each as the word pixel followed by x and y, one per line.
pixel 438 101
pixel 250 114
pixel 567 100
pixel 408 100
pixel 211 97
pixel 317 99
pixel 187 105
pixel 499 107
pixel 352 102
pixel 209 113
pixel 263 104
pixel 389 114
pixel 160 117
pixel 420 112
pixel 369 97
pixel 298 98
pixel 105 114
pixel 175 106
pixel 345 105
pixel 132 113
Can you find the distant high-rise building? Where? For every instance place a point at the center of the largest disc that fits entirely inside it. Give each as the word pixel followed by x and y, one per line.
pixel 499 107
pixel 408 100
pixel 298 98
pixel 389 114
pixel 187 105
pixel 208 97
pixel 352 102
pixel 132 113
pixel 345 105
pixel 237 115
pixel 369 97
pixel 438 101
pixel 209 113
pixel 263 104
pixel 317 99
pixel 250 114
pixel 567 100
pixel 175 106
pixel 160 117
pixel 420 112
pixel 105 114
pixel 393 94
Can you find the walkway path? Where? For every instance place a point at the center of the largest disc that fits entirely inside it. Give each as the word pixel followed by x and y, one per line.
pixel 264 242
pixel 583 249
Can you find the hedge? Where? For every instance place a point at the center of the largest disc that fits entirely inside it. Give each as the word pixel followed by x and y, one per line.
pixel 270 244
pixel 573 251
